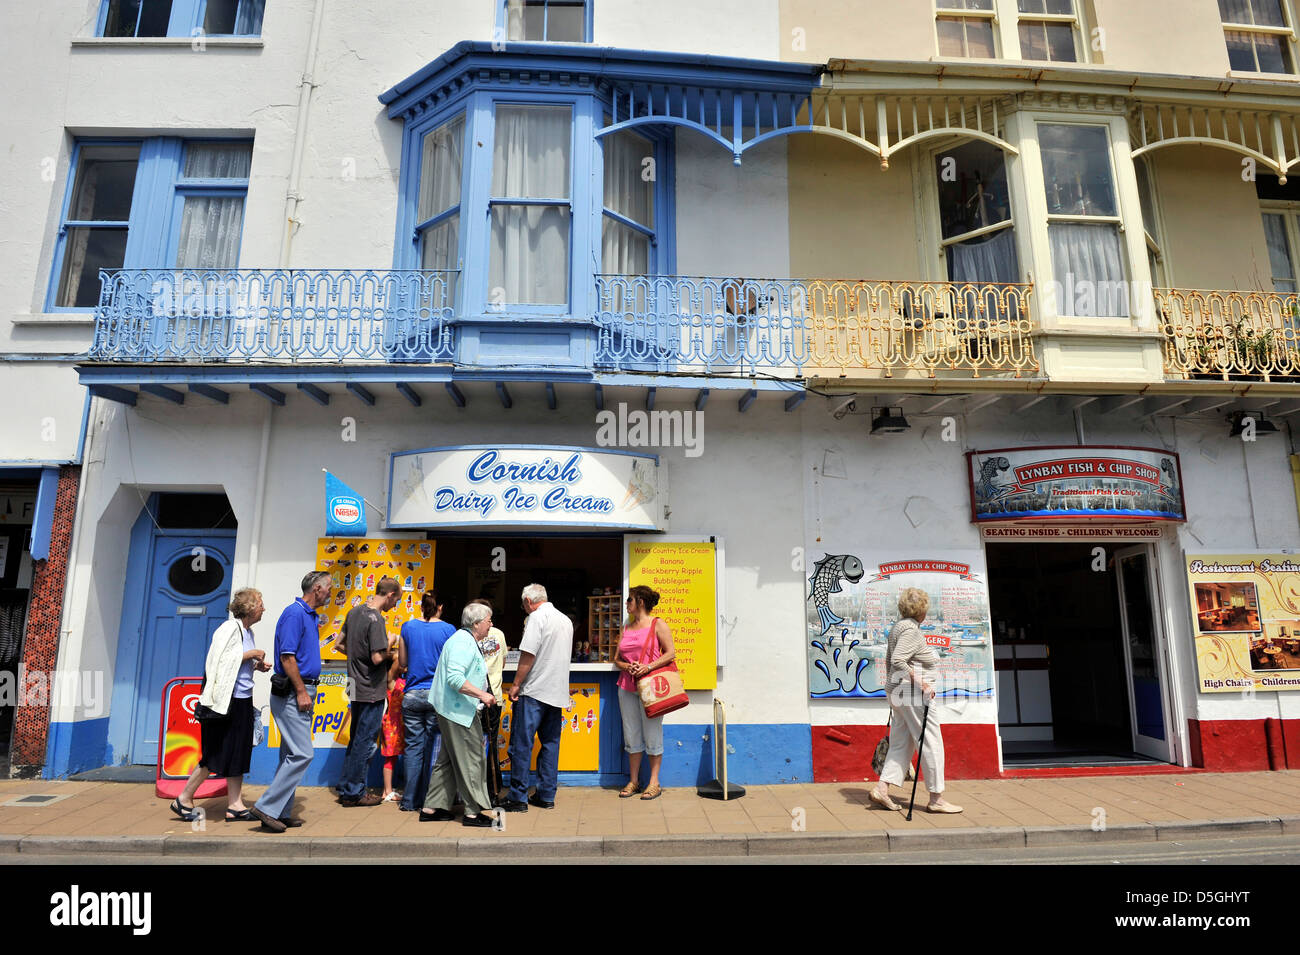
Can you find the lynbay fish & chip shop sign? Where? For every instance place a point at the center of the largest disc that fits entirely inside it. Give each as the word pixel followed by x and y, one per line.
pixel 523 485
pixel 1075 483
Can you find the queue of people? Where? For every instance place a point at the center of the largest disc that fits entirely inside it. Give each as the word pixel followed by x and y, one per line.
pixel 432 695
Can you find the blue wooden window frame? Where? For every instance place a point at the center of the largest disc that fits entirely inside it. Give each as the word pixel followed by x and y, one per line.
pixel 662 258
pixel 157 199
pixel 421 228
pixel 575 202
pixel 586 200
pixel 185 20
pixel 502 26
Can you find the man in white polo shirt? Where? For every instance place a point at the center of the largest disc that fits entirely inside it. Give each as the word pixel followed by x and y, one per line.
pixel 539 694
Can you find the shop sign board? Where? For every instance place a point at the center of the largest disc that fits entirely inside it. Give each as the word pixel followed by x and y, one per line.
pixel 1066 533
pixel 684 574
pixel 1075 483
pixel 357 564
pixel 1246 614
pixel 179 736
pixel 483 486
pixel 579 738
pixel 853 604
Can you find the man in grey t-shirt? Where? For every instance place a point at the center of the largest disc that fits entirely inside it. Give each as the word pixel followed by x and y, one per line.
pixel 365 640
pixel 540 693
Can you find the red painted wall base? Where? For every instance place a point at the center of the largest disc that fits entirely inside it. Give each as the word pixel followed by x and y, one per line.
pixel 1241 746
pixel 843 753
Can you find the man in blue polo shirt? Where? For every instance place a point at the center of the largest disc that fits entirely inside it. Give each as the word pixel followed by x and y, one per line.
pixel 297 669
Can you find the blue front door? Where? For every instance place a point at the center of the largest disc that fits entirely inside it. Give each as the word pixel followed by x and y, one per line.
pixel 188 590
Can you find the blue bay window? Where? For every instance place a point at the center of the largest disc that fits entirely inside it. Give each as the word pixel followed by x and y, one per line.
pixel 543 174
pixel 180 18
pixel 146 204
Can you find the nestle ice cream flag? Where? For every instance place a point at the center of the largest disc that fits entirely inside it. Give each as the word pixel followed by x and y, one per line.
pixel 345 510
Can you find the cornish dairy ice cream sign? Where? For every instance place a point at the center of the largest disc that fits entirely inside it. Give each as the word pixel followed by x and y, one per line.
pixel 511 485
pixel 1073 483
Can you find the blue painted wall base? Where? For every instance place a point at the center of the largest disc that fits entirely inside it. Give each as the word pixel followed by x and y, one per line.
pixel 763 753
pixel 76 747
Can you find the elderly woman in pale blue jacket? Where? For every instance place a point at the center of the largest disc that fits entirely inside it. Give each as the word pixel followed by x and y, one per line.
pixel 459 693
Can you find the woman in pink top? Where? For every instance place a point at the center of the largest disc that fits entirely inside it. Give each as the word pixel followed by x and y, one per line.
pixel 646 645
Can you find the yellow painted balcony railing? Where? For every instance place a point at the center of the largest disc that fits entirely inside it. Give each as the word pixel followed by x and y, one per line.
pixel 1210 333
pixel 926 327
pixel 813 327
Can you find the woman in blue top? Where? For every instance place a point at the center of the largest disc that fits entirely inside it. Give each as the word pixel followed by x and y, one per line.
pixel 460 691
pixel 420 645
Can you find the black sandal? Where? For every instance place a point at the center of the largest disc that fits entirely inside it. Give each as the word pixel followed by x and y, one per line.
pixel 238 815
pixel 188 815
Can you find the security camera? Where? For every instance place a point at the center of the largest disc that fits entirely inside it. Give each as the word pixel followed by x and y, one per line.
pixel 845 407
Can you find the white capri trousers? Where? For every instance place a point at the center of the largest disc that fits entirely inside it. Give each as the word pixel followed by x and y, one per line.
pixel 640 734
pixel 904 731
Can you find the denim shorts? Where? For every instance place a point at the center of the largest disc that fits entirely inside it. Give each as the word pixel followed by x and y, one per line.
pixel 640 734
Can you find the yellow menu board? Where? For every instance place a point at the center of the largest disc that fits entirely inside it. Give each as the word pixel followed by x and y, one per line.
pixel 328 713
pixel 356 564
pixel 580 738
pixel 684 574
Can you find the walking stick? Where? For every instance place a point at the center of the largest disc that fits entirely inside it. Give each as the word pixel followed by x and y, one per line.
pixel 925 718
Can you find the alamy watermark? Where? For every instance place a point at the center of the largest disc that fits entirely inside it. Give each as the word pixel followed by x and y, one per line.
pixel 40 688
pixel 651 429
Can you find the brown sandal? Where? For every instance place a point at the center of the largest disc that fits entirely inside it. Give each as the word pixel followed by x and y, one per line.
pixel 652 792
pixel 630 790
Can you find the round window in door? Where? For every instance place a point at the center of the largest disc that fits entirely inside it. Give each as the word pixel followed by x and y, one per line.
pixel 195 575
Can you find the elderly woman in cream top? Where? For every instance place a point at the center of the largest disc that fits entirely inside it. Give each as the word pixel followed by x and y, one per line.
pixel 910 683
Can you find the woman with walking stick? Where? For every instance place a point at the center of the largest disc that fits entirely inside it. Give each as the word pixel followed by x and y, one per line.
pixel 910 684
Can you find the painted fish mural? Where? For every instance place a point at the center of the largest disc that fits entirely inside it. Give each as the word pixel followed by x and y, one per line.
pixel 825 580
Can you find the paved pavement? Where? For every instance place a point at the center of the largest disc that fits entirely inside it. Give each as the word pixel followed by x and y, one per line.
pixel 98 818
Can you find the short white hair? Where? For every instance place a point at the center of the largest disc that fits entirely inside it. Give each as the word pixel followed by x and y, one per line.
pixel 473 614
pixel 535 594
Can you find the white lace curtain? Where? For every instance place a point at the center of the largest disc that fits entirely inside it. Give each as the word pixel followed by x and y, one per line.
pixel 993 260
pixel 530 243
pixel 211 226
pixel 1089 268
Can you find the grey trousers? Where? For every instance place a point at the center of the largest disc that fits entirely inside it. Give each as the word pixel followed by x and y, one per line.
pixel 295 754
pixel 461 765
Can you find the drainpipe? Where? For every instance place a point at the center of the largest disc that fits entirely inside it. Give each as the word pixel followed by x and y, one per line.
pixel 259 500
pixel 292 197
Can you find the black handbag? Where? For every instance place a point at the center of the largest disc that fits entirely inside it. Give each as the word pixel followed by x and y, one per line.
pixel 203 713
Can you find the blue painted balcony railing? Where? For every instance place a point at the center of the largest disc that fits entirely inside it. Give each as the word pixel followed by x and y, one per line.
pixel 812 327
pixel 274 315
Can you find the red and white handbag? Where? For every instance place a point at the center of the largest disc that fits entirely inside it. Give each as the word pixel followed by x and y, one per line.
pixel 661 690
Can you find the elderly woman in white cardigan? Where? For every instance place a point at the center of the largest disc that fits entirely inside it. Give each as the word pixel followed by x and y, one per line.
pixel 910 683
pixel 227 742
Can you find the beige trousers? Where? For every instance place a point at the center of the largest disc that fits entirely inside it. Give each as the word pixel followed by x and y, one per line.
pixel 904 732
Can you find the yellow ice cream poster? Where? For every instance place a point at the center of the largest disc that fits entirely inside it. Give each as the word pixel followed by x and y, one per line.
pixel 1246 615
pixel 328 714
pixel 579 738
pixel 357 564
pixel 684 574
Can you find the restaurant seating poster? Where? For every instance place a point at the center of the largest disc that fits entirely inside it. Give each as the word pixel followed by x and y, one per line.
pixel 1074 483
pixel 853 604
pixel 1246 611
